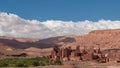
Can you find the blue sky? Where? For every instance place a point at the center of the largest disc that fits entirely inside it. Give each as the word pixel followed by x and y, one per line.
pixel 66 10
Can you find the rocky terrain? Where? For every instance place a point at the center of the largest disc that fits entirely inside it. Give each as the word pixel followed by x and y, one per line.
pixel 12 47
pixel 105 38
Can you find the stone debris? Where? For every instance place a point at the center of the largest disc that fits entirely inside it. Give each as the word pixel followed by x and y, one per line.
pixel 82 54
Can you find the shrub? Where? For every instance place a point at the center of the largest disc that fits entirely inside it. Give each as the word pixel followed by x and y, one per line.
pixel 3 64
pixel 58 62
pixel 26 62
pixel 21 65
pixel 36 63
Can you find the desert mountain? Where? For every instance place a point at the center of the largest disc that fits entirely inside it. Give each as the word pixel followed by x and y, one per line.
pixel 23 43
pixel 104 38
pixel 4 47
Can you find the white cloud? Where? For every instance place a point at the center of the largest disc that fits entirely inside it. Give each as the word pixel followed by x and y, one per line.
pixel 14 26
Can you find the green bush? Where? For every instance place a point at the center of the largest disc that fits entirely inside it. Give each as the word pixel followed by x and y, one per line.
pixel 58 62
pixel 36 63
pixel 27 62
pixel 21 65
pixel 3 64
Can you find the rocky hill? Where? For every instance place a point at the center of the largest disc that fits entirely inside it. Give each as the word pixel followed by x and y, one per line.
pixel 104 38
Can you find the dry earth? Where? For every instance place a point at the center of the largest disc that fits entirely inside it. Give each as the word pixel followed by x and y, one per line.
pixel 88 64
pixel 107 39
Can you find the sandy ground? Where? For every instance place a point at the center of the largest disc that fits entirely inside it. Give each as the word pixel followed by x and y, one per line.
pixel 77 64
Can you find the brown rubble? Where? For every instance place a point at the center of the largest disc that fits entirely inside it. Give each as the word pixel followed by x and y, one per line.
pixel 66 54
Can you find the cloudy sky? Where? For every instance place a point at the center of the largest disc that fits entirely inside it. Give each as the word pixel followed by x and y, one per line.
pixel 50 18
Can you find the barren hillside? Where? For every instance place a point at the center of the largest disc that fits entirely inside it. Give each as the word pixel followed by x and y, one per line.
pixel 104 38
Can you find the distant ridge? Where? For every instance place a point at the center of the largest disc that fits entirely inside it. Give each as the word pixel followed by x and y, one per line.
pixel 104 38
